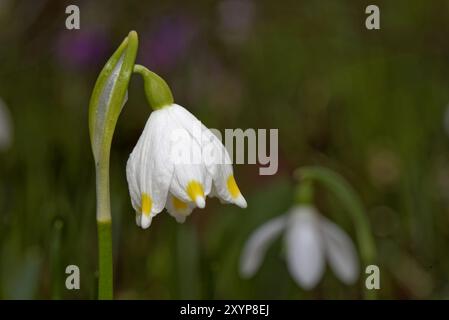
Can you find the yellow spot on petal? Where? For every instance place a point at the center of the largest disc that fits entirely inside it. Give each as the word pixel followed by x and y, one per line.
pixel 179 204
pixel 195 189
pixel 232 187
pixel 147 203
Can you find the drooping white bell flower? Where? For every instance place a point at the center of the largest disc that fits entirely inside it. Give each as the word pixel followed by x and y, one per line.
pixel 177 162
pixel 310 241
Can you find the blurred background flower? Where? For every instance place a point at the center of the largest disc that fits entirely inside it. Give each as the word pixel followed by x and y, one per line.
pixel 310 240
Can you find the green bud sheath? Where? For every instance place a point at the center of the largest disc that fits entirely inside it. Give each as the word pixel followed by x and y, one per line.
pixel 108 97
pixel 109 94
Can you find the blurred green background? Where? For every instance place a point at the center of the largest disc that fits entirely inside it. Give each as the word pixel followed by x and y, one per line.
pixel 368 104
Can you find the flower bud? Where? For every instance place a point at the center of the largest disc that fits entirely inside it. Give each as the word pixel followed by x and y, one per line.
pixel 109 96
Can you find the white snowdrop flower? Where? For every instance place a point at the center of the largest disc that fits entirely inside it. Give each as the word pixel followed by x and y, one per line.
pixel 310 241
pixel 5 126
pixel 177 162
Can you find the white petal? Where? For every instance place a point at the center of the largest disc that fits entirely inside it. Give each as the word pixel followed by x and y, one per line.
pixel 177 209
pixel 145 221
pixel 222 174
pixel 340 252
pixel 156 170
pixel 185 154
pixel 225 186
pixel 305 251
pixel 148 170
pixel 133 184
pixel 200 202
pixel 5 126
pixel 213 155
pixel 255 248
pixel 138 218
pixel 240 201
pixel 218 164
pixel 185 176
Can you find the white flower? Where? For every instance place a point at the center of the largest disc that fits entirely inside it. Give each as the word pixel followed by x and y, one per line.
pixel 176 163
pixel 5 126
pixel 310 239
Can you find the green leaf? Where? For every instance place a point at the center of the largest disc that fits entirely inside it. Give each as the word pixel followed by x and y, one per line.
pixel 110 94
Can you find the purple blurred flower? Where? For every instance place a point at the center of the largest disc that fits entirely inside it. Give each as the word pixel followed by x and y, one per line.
pixel 81 48
pixel 168 42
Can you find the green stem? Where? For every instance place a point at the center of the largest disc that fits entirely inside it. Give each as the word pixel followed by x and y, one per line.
pixel 104 222
pixel 157 91
pixel 304 193
pixel 105 283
